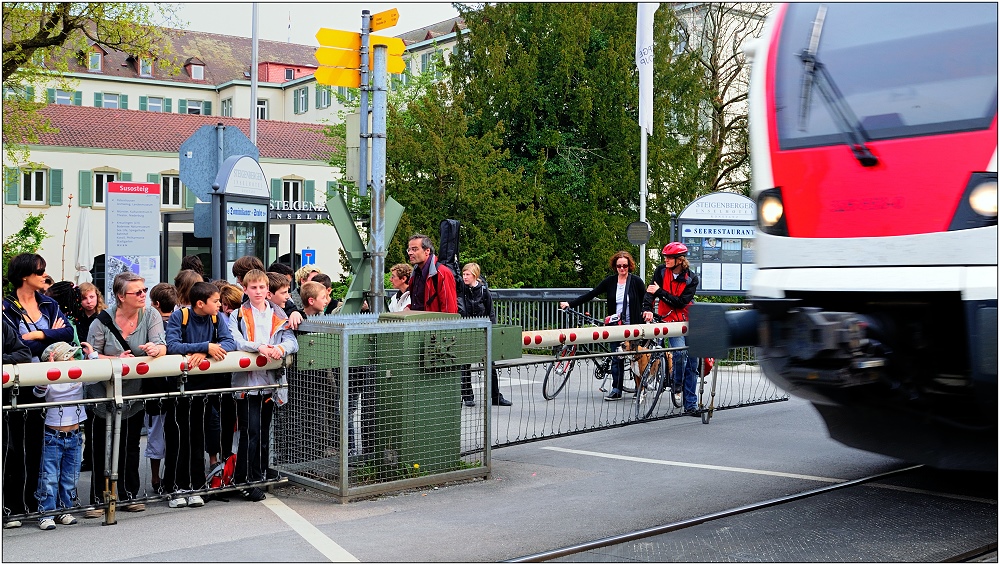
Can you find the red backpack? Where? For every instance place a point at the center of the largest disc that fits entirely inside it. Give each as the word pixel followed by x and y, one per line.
pixel 222 475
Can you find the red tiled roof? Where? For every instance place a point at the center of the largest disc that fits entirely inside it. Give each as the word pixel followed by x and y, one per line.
pixel 136 130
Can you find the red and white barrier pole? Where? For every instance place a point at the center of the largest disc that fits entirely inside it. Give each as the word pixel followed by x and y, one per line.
pixel 602 334
pixel 94 370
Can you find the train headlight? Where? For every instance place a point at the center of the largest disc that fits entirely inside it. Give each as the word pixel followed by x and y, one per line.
pixel 983 199
pixel 771 212
pixel 978 206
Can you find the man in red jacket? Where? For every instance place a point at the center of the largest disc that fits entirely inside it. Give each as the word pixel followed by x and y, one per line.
pixel 432 285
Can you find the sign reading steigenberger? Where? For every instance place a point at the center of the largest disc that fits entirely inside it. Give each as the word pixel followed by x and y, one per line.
pixel 718 230
pixel 298 211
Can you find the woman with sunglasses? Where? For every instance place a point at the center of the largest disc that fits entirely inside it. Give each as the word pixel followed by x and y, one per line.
pixel 37 321
pixel 624 292
pixel 141 327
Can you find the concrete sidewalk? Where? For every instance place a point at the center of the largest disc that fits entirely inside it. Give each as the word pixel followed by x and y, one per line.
pixel 541 496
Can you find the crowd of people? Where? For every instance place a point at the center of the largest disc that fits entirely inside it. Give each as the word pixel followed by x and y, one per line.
pixel 44 451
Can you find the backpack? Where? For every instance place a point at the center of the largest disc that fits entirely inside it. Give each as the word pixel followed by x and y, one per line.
pixel 448 251
pixel 185 312
pixel 222 475
pixel 215 380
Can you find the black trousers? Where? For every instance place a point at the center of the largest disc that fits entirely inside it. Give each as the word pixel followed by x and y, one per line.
pixel 128 457
pixel 220 425
pixel 253 414
pixel 184 432
pixel 468 394
pixel 22 453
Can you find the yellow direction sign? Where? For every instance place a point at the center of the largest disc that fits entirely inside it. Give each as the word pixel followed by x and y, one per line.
pixel 332 76
pixel 331 57
pixel 395 44
pixel 338 38
pixel 385 19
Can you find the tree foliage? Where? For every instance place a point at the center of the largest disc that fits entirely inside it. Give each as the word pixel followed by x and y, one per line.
pixel 40 39
pixel 28 239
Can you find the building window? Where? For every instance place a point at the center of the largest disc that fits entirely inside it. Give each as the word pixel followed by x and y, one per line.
pixel 101 181
pixel 145 67
pixel 33 186
pixel 301 100
pixel 194 107
pixel 154 104
pixel 322 97
pixel 261 109
pixel 64 97
pixel 198 72
pixel 227 108
pixel 94 62
pixel 109 101
pixel 172 191
pixel 346 94
pixel 289 74
pixel 291 190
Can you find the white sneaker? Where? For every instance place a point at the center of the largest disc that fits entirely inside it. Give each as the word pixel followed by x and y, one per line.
pixel 179 502
pixel 195 501
pixel 12 524
pixel 47 524
pixel 66 519
pixel 678 398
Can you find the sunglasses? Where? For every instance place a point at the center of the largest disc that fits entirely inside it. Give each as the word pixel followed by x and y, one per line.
pixel 39 272
pixel 139 292
pixel 622 265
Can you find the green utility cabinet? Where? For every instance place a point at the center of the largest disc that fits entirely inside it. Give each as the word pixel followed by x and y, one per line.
pixel 418 393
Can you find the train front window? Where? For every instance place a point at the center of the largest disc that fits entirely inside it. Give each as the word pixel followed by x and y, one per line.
pixel 904 69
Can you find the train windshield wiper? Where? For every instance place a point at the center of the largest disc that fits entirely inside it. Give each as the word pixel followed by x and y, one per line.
pixel 815 73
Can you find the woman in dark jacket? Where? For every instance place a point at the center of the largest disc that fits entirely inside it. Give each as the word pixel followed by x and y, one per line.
pixel 474 300
pixel 624 292
pixel 37 321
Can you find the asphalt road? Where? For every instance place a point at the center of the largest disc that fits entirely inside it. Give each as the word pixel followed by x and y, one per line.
pixel 541 496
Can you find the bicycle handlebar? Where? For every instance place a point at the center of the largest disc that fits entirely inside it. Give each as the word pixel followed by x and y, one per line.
pixel 586 317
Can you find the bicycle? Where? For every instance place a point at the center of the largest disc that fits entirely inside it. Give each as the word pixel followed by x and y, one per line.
pixel 656 375
pixel 558 372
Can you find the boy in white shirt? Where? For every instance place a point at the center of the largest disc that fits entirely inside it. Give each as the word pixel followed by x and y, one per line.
pixel 262 327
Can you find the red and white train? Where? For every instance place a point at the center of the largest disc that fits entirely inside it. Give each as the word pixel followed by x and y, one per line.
pixel 873 130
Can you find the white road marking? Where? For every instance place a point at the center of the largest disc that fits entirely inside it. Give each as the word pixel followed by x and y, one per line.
pixel 309 532
pixel 697 465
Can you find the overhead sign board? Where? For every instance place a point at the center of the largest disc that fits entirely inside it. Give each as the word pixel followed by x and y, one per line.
pixel 718 230
pixel 199 156
pixel 384 19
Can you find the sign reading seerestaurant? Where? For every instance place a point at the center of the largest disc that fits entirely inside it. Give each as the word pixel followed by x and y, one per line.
pixel 719 231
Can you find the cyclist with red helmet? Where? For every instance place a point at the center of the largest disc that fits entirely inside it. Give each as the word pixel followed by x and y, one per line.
pixel 674 286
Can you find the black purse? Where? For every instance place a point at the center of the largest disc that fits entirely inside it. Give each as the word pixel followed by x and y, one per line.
pixel 151 385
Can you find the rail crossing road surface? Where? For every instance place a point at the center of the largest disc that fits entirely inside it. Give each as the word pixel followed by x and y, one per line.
pixel 542 496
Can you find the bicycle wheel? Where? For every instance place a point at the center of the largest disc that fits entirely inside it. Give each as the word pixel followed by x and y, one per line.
pixel 628 383
pixel 675 398
pixel 650 386
pixel 558 371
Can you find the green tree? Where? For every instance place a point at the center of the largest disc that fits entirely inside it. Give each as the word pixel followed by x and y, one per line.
pixel 560 78
pixel 28 239
pixel 40 39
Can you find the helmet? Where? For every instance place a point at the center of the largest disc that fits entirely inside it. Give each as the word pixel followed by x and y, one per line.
pixel 675 248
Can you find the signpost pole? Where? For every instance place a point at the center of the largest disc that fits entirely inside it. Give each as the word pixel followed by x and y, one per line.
pixel 377 238
pixel 218 225
pixel 642 202
pixel 364 110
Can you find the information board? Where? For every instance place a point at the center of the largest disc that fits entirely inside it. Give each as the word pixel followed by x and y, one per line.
pixel 719 230
pixel 132 224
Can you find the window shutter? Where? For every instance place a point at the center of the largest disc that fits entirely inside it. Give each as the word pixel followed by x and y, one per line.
pixel 50 95
pixel 182 106
pixel 123 101
pixel 29 93
pixel 276 189
pixel 167 105
pixel 206 108
pixel 332 189
pixel 319 90
pixel 143 103
pixel 125 177
pixel 310 193
pixel 295 100
pixel 153 177
pixel 98 99
pixel 189 198
pixel 78 98
pixel 55 187
pixel 10 185
pixel 86 194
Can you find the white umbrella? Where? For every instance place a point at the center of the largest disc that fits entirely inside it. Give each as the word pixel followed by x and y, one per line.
pixel 84 254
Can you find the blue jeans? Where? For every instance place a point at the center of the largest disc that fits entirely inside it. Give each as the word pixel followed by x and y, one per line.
pixel 617 368
pixel 60 469
pixel 685 374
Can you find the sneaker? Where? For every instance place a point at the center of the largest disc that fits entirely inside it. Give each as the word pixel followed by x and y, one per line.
pixel 95 513
pixel 46 524
pixel 195 501
pixel 678 398
pixel 179 502
pixel 253 495
pixel 12 524
pixel 692 412
pixel 134 507
pixel 615 395
pixel 469 402
pixel 66 519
